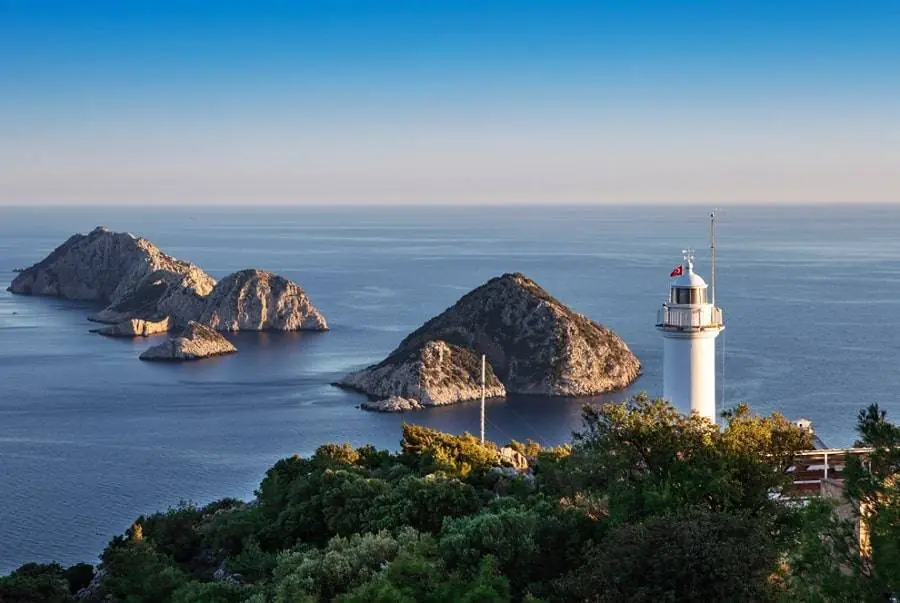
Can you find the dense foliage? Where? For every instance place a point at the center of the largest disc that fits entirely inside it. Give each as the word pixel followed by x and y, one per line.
pixel 646 504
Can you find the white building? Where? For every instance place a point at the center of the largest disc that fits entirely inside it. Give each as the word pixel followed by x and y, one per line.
pixel 690 322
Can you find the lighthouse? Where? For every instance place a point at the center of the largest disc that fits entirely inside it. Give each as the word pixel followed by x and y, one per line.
pixel 690 322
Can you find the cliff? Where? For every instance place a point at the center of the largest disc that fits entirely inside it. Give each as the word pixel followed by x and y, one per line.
pixel 256 300
pixel 128 273
pixel 534 344
pixel 195 341
pixel 435 374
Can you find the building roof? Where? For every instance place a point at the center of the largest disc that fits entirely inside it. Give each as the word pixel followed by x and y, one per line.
pixel 689 278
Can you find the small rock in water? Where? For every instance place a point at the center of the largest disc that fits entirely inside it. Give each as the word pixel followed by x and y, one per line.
pixel 392 404
pixel 136 327
pixel 195 342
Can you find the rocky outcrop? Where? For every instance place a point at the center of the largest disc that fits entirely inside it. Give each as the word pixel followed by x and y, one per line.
pixel 195 342
pixel 128 273
pixel 434 374
pixel 392 404
pixel 510 457
pixel 256 300
pixel 182 297
pixel 144 289
pixel 136 327
pixel 534 344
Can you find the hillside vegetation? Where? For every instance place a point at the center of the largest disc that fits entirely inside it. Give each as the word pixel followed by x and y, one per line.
pixel 645 504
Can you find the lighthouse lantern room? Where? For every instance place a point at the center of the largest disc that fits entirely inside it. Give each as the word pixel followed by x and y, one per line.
pixel 690 322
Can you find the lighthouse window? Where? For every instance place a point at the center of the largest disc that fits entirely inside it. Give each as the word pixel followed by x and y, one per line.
pixel 686 295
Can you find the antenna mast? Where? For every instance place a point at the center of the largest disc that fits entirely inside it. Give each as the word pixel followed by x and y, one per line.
pixel 712 254
pixel 483 361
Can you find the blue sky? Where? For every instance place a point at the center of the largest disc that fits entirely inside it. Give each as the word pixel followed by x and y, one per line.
pixel 449 102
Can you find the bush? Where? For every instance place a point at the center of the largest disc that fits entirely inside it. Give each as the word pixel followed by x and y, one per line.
pixel 137 573
pixel 696 555
pixel 36 583
pixel 429 451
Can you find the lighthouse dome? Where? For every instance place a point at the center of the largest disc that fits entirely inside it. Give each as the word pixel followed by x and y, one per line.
pixel 689 278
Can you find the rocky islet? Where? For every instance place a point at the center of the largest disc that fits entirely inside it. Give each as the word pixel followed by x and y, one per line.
pixel 149 292
pixel 196 341
pixel 533 343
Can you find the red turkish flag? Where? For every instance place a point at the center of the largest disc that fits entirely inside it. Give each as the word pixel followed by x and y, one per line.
pixel 678 271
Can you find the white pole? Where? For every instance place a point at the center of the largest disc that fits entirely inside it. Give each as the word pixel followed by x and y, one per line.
pixel 483 362
pixel 712 252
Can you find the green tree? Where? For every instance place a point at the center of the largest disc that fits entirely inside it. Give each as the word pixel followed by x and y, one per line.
pixel 648 459
pixel 422 503
pixel 694 555
pixel 211 592
pixel 322 574
pixel 137 573
pixel 253 564
pixel 36 583
pixel 430 451
pixel 79 576
pixel 531 544
pixel 416 579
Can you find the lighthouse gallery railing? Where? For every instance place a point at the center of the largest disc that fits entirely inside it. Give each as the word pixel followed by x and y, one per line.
pixel 689 318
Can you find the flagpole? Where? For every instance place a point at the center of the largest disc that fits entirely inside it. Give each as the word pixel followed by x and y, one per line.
pixel 712 253
pixel 483 362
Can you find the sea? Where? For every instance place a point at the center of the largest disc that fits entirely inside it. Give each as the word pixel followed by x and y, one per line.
pixel 91 437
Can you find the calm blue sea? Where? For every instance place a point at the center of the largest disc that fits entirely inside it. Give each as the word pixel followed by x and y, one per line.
pixel 90 437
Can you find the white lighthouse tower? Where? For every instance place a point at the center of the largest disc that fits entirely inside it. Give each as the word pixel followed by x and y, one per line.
pixel 690 322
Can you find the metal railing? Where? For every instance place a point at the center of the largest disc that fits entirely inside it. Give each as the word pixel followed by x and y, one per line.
pixel 813 467
pixel 690 318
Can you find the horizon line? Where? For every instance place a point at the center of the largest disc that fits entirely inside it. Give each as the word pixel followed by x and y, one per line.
pixel 458 204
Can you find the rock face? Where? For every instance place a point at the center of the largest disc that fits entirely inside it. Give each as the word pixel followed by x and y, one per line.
pixel 534 344
pixel 255 300
pixel 135 327
pixel 195 342
pixel 392 404
pixel 510 457
pixel 129 273
pixel 434 374
pixel 146 289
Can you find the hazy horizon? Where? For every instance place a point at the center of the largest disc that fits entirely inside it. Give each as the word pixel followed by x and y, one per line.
pixel 444 103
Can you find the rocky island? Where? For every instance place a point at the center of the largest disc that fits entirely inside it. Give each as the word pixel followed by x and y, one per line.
pixel 128 273
pixel 533 343
pixel 196 341
pixel 149 292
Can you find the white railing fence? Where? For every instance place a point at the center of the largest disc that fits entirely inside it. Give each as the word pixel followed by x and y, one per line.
pixel 693 318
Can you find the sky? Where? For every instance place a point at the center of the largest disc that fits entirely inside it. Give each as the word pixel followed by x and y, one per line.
pixel 449 102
